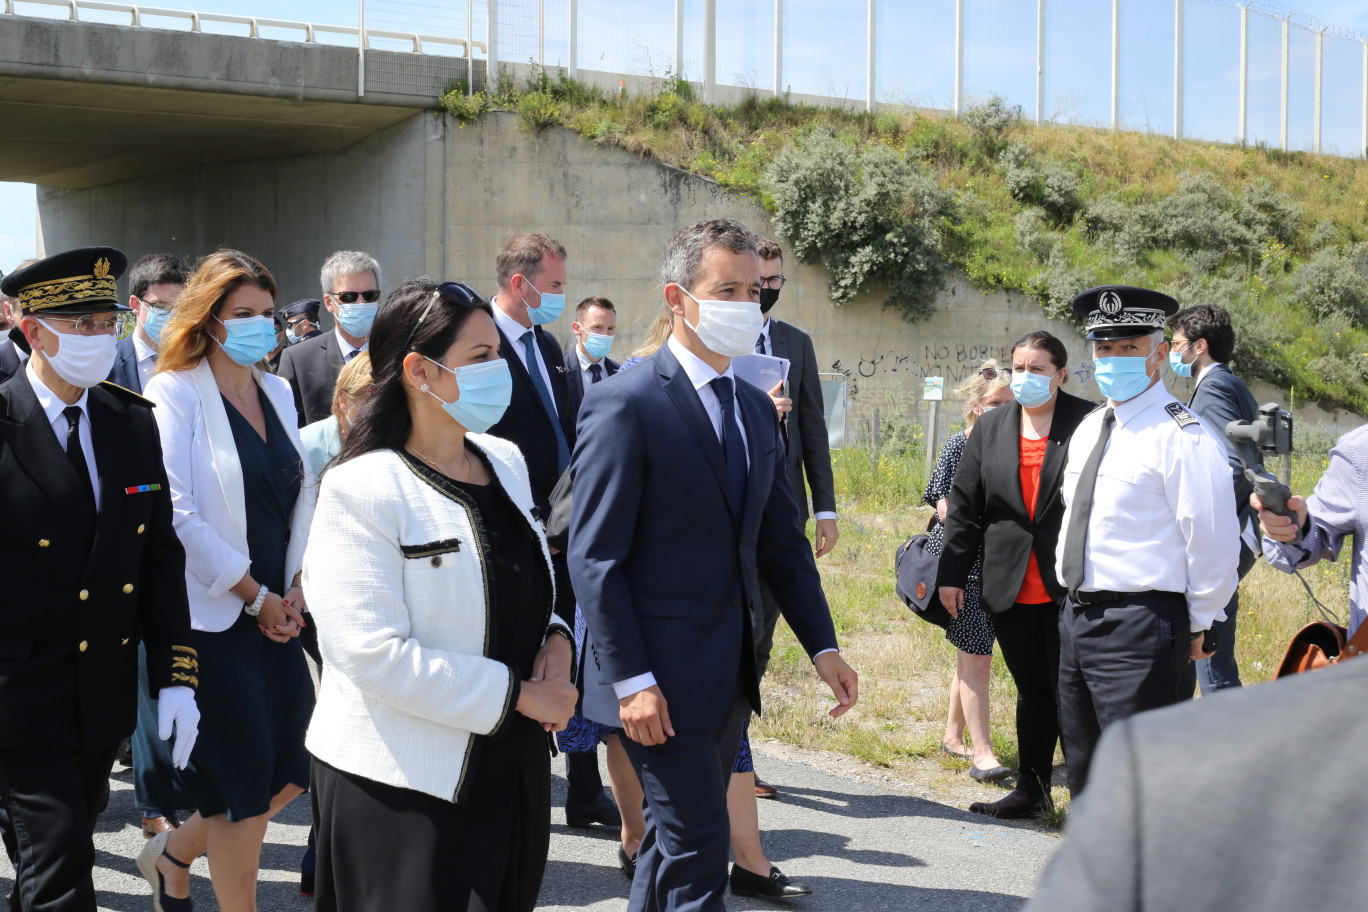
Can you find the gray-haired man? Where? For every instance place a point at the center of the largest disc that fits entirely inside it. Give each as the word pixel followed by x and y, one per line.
pixel 350 283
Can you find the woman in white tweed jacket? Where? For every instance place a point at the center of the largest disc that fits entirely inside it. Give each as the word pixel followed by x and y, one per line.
pixel 444 667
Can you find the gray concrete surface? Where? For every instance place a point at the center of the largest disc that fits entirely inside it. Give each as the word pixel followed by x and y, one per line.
pixel 861 847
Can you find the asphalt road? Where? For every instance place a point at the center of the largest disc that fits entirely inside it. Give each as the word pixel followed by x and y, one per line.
pixel 861 845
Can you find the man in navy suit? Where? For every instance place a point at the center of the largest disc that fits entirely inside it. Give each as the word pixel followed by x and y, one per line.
pixel 154 284
pixel 1203 341
pixel 681 502
pixel 587 362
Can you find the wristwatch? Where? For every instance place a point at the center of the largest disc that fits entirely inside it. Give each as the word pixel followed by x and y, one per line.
pixel 253 608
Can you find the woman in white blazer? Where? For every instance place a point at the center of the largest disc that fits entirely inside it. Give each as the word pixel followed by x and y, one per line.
pixel 444 668
pixel 243 498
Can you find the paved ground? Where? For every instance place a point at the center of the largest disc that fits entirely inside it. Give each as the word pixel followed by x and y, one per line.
pixel 861 845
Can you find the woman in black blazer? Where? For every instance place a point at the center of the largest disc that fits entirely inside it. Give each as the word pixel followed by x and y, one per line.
pixel 1006 498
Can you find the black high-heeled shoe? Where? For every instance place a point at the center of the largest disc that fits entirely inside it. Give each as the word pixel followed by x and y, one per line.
pixel 147 864
pixel 307 868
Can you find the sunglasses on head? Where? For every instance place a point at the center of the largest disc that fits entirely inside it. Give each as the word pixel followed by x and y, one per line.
pixel 349 297
pixel 453 292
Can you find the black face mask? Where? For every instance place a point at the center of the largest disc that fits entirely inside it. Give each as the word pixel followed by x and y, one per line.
pixel 768 298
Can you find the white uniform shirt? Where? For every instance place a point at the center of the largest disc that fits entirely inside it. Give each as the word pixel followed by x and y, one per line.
pixel 1163 515
pixel 52 410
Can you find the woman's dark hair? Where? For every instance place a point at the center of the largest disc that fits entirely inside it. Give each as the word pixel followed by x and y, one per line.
pixel 415 317
pixel 1210 322
pixel 1046 342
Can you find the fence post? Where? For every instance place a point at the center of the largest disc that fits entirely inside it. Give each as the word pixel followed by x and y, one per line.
pixel 778 48
pixel 874 448
pixel 1282 122
pixel 492 46
pixel 1116 67
pixel 1320 73
pixel 360 48
pixel 1363 137
pixel 1179 45
pixel 709 49
pixel 870 101
pixel 541 33
pixel 932 419
pixel 679 40
pixel 574 39
pixel 959 57
pixel 470 50
pixel 1244 74
pixel 1040 63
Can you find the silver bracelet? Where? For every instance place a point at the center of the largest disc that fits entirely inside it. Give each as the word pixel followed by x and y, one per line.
pixel 254 608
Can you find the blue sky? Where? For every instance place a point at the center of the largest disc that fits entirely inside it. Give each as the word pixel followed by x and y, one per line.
pixel 825 54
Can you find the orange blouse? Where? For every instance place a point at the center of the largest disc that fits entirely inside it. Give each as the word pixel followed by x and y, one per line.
pixel 1033 590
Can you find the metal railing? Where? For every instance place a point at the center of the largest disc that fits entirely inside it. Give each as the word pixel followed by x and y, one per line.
pixel 254 23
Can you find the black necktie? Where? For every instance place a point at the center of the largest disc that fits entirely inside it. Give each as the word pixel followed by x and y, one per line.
pixel 76 455
pixel 760 344
pixel 351 354
pixel 1076 537
pixel 596 373
pixel 732 445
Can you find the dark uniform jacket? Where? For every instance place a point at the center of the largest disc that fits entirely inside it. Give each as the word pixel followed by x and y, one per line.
pixel 809 452
pixel 80 589
pixel 312 367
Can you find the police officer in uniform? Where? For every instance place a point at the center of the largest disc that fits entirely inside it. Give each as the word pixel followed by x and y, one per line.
pixel 1150 543
pixel 91 565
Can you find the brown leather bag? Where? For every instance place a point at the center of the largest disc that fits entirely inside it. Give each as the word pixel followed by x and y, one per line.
pixel 1320 645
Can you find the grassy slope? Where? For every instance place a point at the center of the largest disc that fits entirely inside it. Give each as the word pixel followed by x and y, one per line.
pixel 1325 360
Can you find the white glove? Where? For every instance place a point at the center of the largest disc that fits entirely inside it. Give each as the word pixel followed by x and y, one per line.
pixel 176 709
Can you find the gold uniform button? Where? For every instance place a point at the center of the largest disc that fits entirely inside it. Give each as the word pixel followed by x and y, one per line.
pixel 141 528
pixel 43 543
pixel 85 594
pixel 125 642
pixel 84 646
pixel 128 587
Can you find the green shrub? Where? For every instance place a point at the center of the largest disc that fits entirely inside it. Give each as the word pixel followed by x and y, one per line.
pixel 1061 282
pixel 465 108
pixel 1335 281
pixel 1032 235
pixel 868 215
pixel 540 110
pixel 989 123
pixel 1051 186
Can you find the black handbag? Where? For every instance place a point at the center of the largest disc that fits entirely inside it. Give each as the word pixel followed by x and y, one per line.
pixel 558 522
pixel 915 568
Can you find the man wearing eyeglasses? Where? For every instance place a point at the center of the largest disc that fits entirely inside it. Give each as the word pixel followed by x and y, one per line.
pixel 154 283
pixel 351 293
pixel 93 567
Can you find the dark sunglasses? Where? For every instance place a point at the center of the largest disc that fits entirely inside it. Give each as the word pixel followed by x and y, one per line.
pixel 349 297
pixel 453 292
pixel 988 373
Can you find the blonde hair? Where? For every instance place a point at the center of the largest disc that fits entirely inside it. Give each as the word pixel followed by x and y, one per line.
pixel 187 338
pixel 976 387
pixel 660 331
pixel 352 380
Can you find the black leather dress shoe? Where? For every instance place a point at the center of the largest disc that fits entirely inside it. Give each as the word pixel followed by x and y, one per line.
pixel 776 886
pixel 627 863
pixel 1014 805
pixel 601 810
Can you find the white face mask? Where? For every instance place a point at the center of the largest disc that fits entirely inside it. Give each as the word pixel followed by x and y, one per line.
pixel 82 361
pixel 727 328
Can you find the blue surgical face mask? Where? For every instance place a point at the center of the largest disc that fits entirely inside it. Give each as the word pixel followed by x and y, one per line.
pixel 290 336
pixel 154 321
pixel 356 318
pixel 250 339
pixel 550 309
pixel 486 388
pixel 597 345
pixel 1122 378
pixel 1031 389
pixel 1180 367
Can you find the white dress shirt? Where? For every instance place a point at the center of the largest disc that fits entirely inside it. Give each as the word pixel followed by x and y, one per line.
pixel 1163 514
pixel 585 362
pixel 514 331
pixel 52 408
pixel 23 355
pixel 147 360
pixel 346 347
pixel 701 375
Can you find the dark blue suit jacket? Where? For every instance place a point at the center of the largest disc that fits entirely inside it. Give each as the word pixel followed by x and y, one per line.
pixel 125 370
pixel 658 550
pixel 574 377
pixel 1219 399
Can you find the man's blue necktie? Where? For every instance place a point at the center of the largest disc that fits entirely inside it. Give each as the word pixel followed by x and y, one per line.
pixel 732 445
pixel 562 448
pixel 597 371
pixel 760 345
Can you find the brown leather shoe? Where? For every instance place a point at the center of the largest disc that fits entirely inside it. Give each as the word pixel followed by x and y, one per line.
pixel 764 789
pixel 1014 805
pixel 154 826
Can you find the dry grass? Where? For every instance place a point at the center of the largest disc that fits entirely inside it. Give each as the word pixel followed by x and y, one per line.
pixel 906 665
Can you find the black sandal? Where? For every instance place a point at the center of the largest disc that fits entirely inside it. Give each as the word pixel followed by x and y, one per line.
pixel 147 864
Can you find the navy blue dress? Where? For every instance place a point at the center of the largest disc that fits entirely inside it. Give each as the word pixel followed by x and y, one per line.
pixel 255 695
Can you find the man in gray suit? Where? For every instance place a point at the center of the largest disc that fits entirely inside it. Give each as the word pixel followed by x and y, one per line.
pixel 804 430
pixel 1282 798
pixel 1203 341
